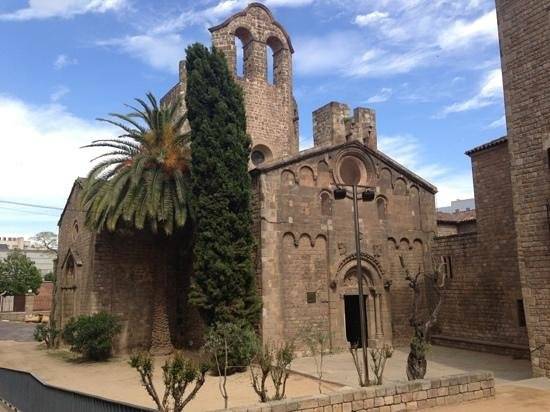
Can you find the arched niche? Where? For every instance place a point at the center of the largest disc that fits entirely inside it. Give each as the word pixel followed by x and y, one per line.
pixel 288 178
pixel 400 187
pixel 306 176
pixel 326 203
pixel 385 178
pixel 382 207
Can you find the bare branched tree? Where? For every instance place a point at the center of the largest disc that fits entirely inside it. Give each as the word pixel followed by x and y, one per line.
pixel 46 240
pixel 422 325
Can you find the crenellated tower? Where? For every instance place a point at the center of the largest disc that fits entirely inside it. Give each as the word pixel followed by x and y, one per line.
pixel 271 112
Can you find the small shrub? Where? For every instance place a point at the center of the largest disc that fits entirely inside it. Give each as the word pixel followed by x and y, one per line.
pixel 92 336
pixel 272 361
pixel 178 372
pixel 238 340
pixel 46 333
pixel 379 357
pixel 317 342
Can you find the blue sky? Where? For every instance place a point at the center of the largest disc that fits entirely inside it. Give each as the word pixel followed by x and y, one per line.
pixel 430 68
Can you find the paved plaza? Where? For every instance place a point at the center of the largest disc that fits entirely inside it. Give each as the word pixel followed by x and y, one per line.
pixel 442 361
pixel 17 331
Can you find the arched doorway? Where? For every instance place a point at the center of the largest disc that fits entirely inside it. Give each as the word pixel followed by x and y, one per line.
pixel 67 287
pixel 345 300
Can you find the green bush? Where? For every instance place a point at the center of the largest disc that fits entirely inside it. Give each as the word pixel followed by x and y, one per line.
pixel 46 333
pixel 92 336
pixel 241 343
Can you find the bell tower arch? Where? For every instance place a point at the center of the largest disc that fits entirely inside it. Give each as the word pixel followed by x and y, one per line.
pixel 271 117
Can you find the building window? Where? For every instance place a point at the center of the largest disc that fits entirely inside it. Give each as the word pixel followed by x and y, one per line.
pixel 521 313
pixel 448 266
pixel 257 157
pixel 311 297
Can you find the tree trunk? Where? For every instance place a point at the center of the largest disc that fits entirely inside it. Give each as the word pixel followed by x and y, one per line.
pixel 416 365
pixel 161 341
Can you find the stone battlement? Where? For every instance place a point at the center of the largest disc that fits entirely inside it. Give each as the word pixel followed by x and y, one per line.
pixel 334 124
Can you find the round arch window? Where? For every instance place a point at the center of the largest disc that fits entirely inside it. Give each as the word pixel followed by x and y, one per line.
pixel 351 170
pixel 260 154
pixel 257 157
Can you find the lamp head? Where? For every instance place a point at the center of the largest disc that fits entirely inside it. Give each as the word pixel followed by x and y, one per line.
pixel 368 195
pixel 340 193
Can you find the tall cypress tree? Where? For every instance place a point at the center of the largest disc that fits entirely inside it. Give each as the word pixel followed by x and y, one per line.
pixel 223 286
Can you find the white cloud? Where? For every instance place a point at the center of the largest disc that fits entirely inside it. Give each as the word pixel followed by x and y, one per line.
pixel 47 147
pixel 382 96
pixel 43 9
pixel 62 60
pixel 490 92
pixel 59 93
pixel 161 51
pixel 464 33
pixel 451 184
pixel 497 124
pixel 371 18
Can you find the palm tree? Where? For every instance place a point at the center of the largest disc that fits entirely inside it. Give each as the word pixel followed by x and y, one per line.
pixel 141 183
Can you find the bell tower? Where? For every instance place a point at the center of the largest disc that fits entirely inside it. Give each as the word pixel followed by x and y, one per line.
pixel 271 111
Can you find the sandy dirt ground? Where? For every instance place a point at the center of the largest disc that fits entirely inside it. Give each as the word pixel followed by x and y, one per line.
pixel 508 399
pixel 115 379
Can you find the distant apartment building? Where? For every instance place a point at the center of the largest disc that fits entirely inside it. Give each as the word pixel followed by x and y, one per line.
pixel 14 242
pixel 42 258
pixel 459 205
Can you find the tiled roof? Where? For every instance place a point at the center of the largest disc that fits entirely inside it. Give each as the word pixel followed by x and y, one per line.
pixel 457 217
pixel 487 145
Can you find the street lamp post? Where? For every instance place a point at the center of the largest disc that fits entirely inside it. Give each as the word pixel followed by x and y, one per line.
pixel 367 196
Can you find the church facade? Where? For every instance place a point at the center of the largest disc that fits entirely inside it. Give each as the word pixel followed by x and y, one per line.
pixel 305 257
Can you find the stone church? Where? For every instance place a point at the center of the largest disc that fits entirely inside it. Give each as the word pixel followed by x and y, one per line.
pixel 306 260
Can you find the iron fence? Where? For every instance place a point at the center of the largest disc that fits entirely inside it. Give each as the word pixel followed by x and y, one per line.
pixel 27 393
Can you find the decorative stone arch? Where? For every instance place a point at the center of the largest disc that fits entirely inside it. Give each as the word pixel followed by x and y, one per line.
pixel 369 263
pixel 290 236
pixel 288 178
pixel 400 187
pixel 307 176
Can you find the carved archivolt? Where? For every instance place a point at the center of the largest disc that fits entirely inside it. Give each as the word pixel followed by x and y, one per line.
pixel 368 260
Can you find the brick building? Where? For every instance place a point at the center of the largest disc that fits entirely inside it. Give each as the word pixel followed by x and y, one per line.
pixel 483 307
pixel 306 254
pixel 524 29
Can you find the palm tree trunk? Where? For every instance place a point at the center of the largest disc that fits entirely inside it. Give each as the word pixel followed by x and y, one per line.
pixel 161 342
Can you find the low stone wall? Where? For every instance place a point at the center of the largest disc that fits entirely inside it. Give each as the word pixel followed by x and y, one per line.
pixel 420 394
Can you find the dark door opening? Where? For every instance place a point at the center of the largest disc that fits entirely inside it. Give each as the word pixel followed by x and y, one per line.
pixel 353 324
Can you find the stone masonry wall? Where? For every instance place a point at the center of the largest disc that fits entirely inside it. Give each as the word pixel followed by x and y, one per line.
pixel 308 250
pixel 482 305
pixel 524 29
pixel 419 394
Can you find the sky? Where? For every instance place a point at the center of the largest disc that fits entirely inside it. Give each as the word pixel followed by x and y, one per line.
pixel 430 69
